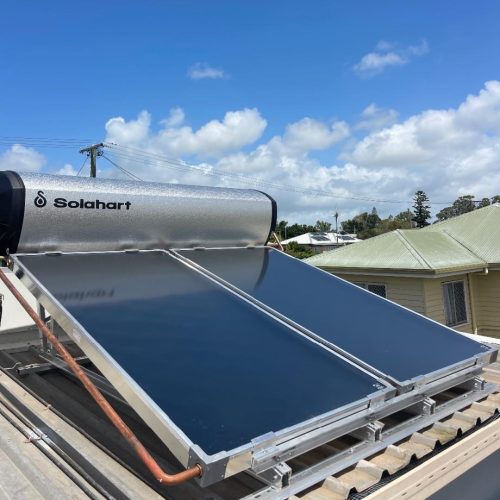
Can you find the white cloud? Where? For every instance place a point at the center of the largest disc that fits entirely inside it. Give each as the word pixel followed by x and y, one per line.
pixel 131 132
pixel 175 117
pixel 446 152
pixel 67 169
pixel 376 118
pixel 387 55
pixel 202 70
pixel 22 159
pixel 308 134
pixel 236 130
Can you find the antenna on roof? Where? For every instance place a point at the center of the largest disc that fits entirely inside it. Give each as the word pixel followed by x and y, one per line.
pixel 93 152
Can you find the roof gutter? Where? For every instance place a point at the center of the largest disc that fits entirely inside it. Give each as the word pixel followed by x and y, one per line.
pixel 404 273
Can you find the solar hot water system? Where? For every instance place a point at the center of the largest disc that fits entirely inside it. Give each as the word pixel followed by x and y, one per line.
pixel 173 295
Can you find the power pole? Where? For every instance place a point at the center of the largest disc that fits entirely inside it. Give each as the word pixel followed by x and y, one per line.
pixel 336 215
pixel 93 152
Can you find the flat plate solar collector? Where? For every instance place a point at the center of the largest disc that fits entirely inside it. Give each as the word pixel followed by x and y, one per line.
pixel 209 371
pixel 396 343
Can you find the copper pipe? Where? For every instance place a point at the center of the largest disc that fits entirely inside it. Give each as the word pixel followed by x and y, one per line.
pixel 116 420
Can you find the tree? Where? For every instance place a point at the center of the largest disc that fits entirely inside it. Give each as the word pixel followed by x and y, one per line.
pixel 421 210
pixel 484 203
pixel 495 199
pixel 323 226
pixel 462 205
pixel 298 251
pixel 356 224
pixel 445 213
pixel 298 229
pixel 373 219
pixel 281 229
pixel 405 219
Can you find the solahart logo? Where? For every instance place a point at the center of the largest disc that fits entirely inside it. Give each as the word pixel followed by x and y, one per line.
pixel 40 200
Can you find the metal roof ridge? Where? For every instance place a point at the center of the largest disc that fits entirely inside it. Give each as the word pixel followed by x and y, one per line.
pixel 413 250
pixel 454 238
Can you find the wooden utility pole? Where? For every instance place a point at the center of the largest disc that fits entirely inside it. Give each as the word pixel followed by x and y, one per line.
pixel 336 215
pixel 93 152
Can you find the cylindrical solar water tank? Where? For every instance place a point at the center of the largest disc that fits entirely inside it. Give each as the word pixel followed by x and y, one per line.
pixel 40 213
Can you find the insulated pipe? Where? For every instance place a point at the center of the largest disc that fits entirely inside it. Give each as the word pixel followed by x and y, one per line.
pixel 116 420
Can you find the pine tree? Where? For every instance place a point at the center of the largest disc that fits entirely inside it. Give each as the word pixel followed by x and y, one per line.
pixel 421 210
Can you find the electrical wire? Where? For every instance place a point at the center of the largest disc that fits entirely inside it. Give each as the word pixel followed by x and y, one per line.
pixel 137 155
pixel 43 142
pixel 143 157
pixel 83 164
pixel 130 174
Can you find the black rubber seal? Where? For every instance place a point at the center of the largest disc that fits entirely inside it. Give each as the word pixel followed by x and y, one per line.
pixel 274 215
pixel 12 198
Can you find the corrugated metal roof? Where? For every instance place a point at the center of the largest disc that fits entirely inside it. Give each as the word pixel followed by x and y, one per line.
pixel 373 253
pixel 479 231
pixel 367 473
pixel 470 241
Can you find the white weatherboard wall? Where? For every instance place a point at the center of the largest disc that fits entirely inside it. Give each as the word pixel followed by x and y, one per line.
pixel 486 290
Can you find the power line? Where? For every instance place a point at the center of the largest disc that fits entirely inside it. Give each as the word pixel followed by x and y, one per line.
pixel 144 157
pixel 141 156
pixel 83 164
pixel 43 142
pixel 130 174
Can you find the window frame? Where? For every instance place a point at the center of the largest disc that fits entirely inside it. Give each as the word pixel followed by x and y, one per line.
pixel 445 284
pixel 365 285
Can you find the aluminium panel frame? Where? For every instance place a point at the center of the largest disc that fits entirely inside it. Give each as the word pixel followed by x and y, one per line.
pixel 478 361
pixel 308 434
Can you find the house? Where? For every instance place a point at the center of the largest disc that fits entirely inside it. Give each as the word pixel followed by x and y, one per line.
pixel 322 241
pixel 449 271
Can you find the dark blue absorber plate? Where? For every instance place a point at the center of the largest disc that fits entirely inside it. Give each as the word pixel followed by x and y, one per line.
pixel 395 341
pixel 221 369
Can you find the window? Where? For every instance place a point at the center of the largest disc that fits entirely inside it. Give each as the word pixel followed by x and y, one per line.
pixel 374 288
pixel 455 310
pixel 378 289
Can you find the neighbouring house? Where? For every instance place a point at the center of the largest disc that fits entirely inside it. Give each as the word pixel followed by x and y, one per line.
pixel 322 241
pixel 449 271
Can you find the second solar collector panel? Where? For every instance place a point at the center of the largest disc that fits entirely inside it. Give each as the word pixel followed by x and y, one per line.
pixel 397 342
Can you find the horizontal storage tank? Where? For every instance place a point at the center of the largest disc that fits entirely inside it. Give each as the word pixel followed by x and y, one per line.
pixel 40 213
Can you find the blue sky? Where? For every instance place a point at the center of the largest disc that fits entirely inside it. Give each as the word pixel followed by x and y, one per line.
pixel 66 69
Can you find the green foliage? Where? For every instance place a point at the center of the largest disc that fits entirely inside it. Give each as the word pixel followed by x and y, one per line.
pixel 484 203
pixel 281 229
pixel 421 210
pixel 298 251
pixel 367 225
pixel 465 204
pixel 298 229
pixel 322 226
pixel 462 205
pixel 364 225
pixel 405 218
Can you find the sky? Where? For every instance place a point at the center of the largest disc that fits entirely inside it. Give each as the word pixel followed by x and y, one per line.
pixel 327 105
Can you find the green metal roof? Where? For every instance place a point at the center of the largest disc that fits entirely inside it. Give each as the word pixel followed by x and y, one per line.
pixel 467 242
pixel 479 231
